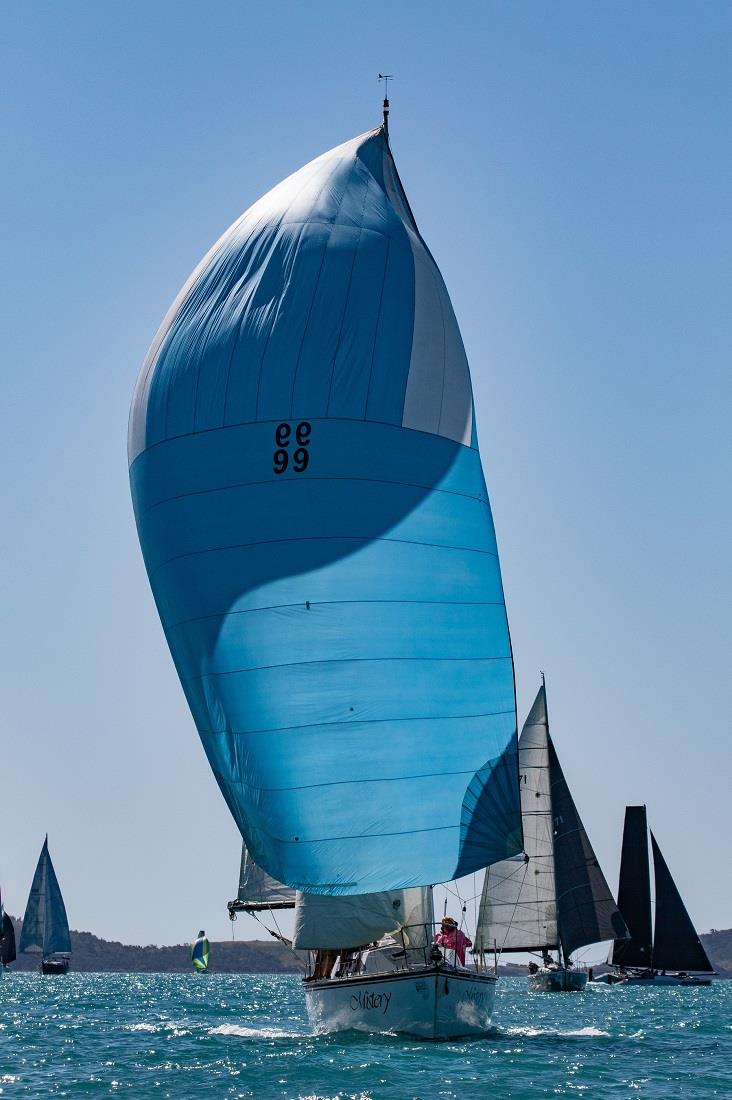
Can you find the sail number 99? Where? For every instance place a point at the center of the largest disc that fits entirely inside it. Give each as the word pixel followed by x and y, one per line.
pixel 299 457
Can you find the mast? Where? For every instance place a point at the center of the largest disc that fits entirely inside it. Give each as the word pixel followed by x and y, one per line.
pixel 560 949
pixel 634 893
pixel 386 77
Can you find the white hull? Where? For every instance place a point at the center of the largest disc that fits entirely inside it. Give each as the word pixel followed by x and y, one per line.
pixel 430 1003
pixel 557 979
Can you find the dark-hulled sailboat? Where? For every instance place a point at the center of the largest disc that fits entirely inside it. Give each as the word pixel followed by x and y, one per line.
pixel 554 897
pixel 671 954
pixel 45 925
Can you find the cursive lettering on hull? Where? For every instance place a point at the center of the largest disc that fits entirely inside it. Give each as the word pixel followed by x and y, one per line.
pixel 370 1001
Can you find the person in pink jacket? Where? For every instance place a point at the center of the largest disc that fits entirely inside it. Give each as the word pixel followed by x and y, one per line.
pixel 451 937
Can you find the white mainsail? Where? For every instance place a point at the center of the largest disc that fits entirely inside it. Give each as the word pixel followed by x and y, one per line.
pixel 518 908
pixel 358 919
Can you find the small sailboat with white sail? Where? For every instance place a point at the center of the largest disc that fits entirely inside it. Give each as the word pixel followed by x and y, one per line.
pixel 671 952
pixel 554 896
pixel 45 928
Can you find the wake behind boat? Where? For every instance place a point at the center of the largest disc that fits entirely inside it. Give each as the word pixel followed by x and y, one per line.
pixel 554 897
pixel 671 954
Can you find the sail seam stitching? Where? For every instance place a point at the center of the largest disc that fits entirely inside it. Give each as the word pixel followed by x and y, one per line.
pixel 360 722
pixel 338 603
pixel 305 481
pixel 370 539
pixel 337 661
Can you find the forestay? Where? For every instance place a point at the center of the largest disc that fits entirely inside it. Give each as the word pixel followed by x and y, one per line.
pixel 317 533
pixel 342 922
pixel 518 905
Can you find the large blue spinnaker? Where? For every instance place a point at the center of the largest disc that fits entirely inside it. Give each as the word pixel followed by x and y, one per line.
pixel 316 529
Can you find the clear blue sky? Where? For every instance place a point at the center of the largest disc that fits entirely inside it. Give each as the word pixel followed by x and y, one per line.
pixel 569 165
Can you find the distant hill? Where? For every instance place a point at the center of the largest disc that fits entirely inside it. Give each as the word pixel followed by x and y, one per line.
pixel 90 953
pixel 718 946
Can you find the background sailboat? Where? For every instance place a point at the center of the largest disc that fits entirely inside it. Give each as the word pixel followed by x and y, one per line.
pixel 45 926
pixel 554 897
pixel 674 944
pixel 200 952
pixel 7 939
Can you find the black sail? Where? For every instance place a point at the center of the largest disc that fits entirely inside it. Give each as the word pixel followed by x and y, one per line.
pixel 634 892
pixel 586 909
pixel 676 944
pixel 7 943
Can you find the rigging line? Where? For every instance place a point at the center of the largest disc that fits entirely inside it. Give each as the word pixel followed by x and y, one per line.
pixel 278 935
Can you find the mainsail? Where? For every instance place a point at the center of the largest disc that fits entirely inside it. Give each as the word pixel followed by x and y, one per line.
pixel 518 908
pixel 676 945
pixel 258 890
pixel 556 895
pixel 358 920
pixel 317 533
pixel 586 909
pixel 634 892
pixel 45 925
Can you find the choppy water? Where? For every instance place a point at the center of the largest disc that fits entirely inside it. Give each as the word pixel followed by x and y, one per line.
pixel 186 1036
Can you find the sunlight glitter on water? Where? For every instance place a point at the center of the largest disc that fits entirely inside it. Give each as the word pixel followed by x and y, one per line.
pixel 246 1036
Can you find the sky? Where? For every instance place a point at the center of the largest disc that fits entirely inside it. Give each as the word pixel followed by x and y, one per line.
pixel 569 166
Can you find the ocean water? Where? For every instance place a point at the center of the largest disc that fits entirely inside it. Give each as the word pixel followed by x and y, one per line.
pixel 186 1036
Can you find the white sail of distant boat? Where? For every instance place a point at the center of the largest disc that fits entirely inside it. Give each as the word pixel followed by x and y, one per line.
pixel 554 897
pixel 45 928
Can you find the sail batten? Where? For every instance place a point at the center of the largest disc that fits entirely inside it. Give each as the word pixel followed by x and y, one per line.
pixel 316 529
